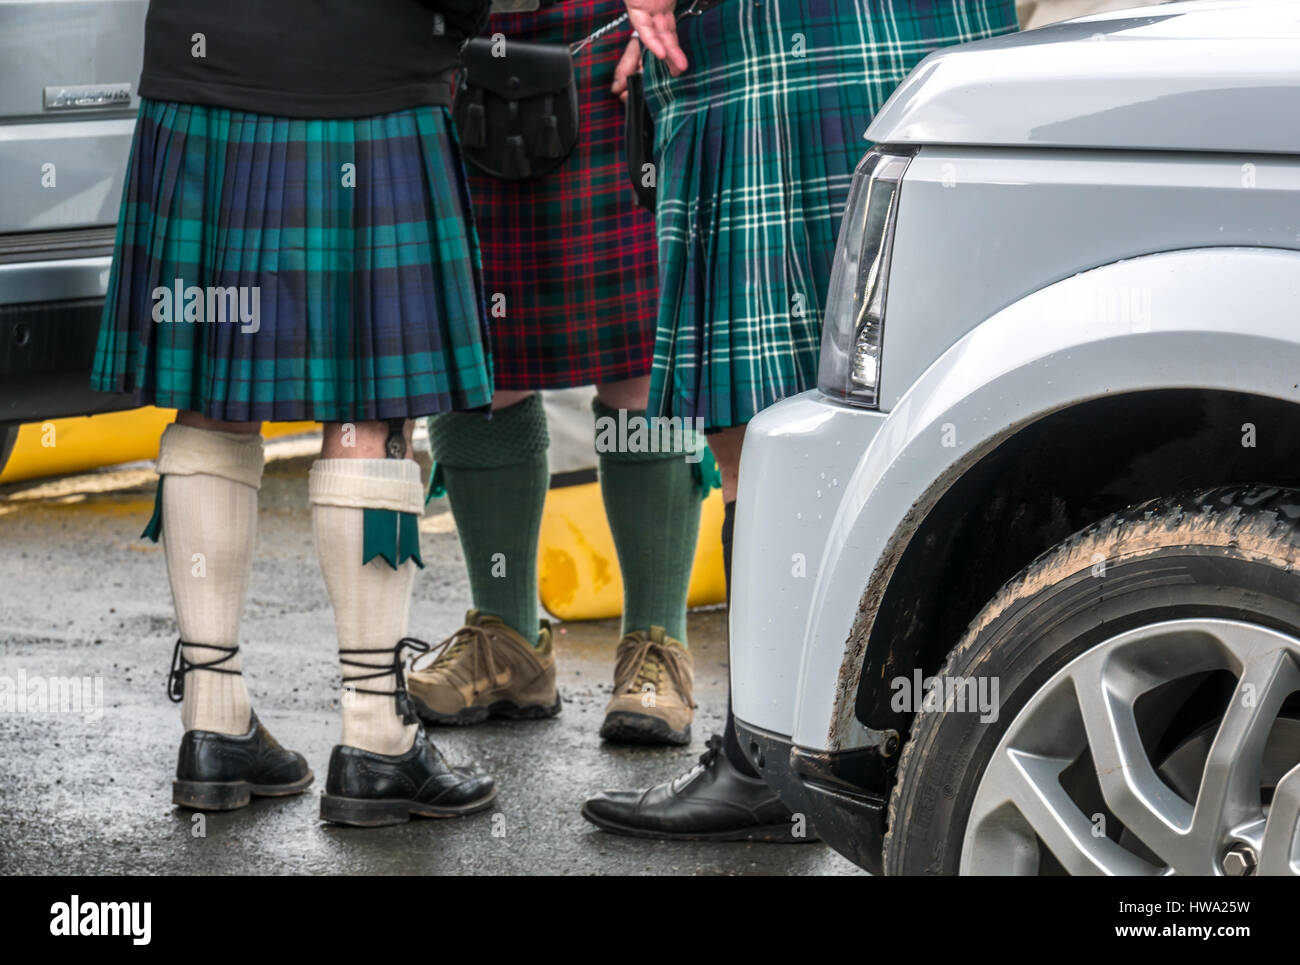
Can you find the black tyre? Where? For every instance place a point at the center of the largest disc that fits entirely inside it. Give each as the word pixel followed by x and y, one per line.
pixel 1148 675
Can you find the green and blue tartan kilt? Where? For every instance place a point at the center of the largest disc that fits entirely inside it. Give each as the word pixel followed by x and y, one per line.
pixel 756 145
pixel 351 253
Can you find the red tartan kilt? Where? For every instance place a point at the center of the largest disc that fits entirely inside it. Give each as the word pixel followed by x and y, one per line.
pixel 572 253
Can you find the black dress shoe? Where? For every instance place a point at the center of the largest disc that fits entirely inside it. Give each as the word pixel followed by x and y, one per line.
pixel 221 772
pixel 369 790
pixel 711 802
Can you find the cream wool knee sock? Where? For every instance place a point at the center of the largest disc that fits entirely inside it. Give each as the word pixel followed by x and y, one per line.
pixel 209 524
pixel 372 601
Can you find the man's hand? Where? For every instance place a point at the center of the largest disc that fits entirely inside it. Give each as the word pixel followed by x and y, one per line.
pixel 654 22
pixel 628 64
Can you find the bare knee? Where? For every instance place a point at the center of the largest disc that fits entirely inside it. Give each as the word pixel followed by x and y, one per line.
pixel 726 446
pixel 630 394
pixel 505 398
pixel 194 420
pixel 364 440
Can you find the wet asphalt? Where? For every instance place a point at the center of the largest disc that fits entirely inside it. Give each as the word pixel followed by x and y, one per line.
pixel 89 792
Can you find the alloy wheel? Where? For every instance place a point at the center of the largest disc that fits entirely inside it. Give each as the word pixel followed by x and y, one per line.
pixel 1092 717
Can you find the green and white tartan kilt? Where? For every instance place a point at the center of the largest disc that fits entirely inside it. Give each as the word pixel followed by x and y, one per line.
pixel 756 145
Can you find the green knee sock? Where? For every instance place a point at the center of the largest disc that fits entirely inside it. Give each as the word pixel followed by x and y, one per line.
pixel 496 476
pixel 652 500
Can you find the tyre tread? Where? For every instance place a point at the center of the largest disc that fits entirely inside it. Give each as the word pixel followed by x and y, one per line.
pixel 1251 519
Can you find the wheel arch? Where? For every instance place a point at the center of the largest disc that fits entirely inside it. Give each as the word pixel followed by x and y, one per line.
pixel 1039 486
pixel 1048 384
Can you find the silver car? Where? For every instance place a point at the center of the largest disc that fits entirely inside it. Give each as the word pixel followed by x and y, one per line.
pixel 1017 588
pixel 68 72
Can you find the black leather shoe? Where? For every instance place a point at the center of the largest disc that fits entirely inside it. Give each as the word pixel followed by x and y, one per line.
pixel 221 772
pixel 369 790
pixel 711 802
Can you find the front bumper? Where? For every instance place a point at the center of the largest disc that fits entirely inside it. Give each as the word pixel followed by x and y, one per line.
pixel 825 787
pixel 799 496
pixel 50 310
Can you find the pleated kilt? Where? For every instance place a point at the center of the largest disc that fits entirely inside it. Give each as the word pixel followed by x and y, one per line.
pixel 571 252
pixel 344 249
pixel 756 146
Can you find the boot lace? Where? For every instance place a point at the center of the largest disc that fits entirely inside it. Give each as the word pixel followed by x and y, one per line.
pixel 396 668
pixel 462 655
pixel 646 662
pixel 181 665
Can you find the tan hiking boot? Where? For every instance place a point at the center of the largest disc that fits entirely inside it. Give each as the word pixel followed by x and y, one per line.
pixel 654 678
pixel 485 669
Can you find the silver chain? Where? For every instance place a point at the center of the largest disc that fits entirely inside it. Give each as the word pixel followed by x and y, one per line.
pixel 691 10
pixel 592 38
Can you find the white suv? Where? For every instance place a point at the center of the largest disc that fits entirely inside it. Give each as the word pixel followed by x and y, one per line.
pixel 1017 589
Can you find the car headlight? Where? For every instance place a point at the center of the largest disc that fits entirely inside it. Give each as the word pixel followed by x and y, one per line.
pixel 855 306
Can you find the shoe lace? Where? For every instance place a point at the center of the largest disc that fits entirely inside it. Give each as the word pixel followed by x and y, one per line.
pixel 646 661
pixel 712 748
pixel 471 642
pixel 181 665
pixel 396 669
